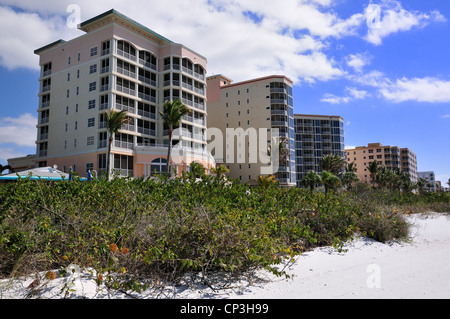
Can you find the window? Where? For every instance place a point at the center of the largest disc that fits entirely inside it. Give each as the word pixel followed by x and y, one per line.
pixel 68 60
pixel 78 90
pixel 76 108
pixel 91 122
pixel 67 93
pixel 78 74
pixel 75 143
pixel 66 127
pixel 157 167
pixel 68 77
pixel 79 56
pixel 67 110
pixel 90 140
pixel 76 125
pixel 65 145
pixel 89 167
pixel 94 51
pixel 92 104
pixel 92 86
pixel 93 69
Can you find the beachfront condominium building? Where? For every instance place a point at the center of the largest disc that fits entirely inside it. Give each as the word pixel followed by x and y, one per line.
pixel 316 136
pixel 254 117
pixel 391 157
pixel 430 180
pixel 119 64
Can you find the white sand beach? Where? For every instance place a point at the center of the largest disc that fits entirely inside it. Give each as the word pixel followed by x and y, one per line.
pixel 415 269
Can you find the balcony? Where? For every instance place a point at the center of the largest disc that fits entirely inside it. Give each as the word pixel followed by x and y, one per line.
pixel 279 112
pixel 123 144
pixel 147 114
pixel 146 131
pixel 102 144
pixel 126 55
pixel 129 73
pixel 126 90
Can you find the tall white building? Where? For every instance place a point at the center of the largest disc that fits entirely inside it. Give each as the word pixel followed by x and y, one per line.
pixel 118 64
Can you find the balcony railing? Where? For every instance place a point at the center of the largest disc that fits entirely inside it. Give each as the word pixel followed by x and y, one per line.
pixel 146 131
pixel 147 64
pixel 147 114
pixel 102 143
pixel 123 144
pixel 126 90
pixel 126 55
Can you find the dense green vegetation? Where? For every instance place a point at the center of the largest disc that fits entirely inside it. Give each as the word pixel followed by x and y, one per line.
pixel 145 231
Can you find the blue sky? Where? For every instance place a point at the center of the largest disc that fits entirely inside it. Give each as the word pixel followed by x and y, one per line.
pixel 380 64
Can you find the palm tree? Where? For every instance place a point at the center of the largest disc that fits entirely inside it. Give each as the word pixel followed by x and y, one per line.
pixel 330 181
pixel 114 121
pixel 350 167
pixel 284 151
pixel 172 116
pixel 332 163
pixel 220 171
pixel 265 181
pixel 373 168
pixel 348 178
pixel 311 180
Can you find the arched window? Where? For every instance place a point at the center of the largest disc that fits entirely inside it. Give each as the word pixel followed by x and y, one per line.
pixel 126 50
pixel 148 59
pixel 158 166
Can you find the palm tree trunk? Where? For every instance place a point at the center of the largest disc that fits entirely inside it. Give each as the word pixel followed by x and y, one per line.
pixel 169 150
pixel 108 157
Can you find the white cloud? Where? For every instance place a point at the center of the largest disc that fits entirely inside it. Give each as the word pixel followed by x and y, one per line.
pixel 20 131
pixel 22 33
pixel 446 116
pixel 290 41
pixel 352 94
pixel 358 61
pixel 389 17
pixel 426 89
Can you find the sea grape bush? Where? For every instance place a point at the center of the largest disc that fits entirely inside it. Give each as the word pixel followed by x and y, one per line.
pixel 160 229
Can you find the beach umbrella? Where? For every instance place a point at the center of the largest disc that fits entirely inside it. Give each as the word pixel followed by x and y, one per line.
pixel 89 177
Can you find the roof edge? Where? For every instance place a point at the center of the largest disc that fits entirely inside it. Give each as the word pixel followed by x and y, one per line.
pixel 121 15
pixel 48 46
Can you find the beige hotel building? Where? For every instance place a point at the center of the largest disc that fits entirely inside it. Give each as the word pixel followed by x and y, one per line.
pixel 389 156
pixel 264 103
pixel 118 64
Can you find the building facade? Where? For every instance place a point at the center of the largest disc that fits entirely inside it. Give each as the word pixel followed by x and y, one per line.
pixel 391 157
pixel 118 64
pixel 430 179
pixel 316 136
pixel 253 117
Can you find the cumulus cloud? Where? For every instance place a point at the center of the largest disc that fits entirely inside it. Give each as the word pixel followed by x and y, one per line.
pixel 352 94
pixel 358 61
pixel 389 17
pixel 426 89
pixel 241 39
pixel 20 131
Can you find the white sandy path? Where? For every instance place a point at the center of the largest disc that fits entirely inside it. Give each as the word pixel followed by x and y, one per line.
pixel 418 269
